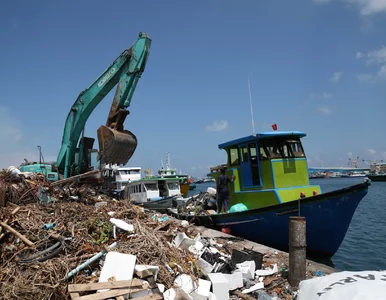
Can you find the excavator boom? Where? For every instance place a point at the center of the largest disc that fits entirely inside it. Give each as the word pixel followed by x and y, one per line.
pixel 116 145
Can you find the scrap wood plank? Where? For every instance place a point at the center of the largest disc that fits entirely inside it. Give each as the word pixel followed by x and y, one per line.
pixel 133 283
pixel 144 273
pixel 110 294
pixel 74 296
pixel 120 298
pixel 151 297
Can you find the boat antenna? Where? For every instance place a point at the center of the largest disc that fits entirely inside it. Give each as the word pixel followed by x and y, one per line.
pixel 168 161
pixel 250 101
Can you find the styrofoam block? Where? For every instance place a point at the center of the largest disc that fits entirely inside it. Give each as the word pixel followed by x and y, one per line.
pixel 176 294
pixel 203 290
pixel 118 265
pixel 183 241
pixel 161 287
pixel 235 280
pixel 220 285
pixel 205 266
pixel 247 268
pixel 212 296
pixel 257 286
pixel 185 282
pixel 211 191
pixel 122 224
pixel 153 269
pixel 196 248
pixel 267 272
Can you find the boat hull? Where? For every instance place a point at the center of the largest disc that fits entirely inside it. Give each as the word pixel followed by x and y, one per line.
pixel 328 217
pixel 377 177
pixel 160 205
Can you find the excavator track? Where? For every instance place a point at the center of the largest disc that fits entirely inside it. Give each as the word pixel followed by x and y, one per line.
pixel 116 147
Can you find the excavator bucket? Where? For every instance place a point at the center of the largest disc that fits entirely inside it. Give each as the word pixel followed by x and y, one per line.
pixel 115 147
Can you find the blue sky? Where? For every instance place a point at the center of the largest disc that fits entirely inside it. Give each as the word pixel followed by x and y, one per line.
pixel 314 66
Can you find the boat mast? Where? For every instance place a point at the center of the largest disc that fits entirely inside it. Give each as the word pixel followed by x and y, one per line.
pixel 168 161
pixel 250 101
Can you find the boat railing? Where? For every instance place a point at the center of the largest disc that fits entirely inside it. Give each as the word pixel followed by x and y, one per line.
pixel 217 168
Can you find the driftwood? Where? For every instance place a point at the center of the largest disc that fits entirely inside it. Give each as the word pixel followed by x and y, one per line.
pixel 18 234
pixel 15 210
pixel 84 175
pixel 243 296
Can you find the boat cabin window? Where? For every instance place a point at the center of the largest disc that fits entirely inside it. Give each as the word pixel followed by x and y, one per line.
pixel 173 186
pixel 234 156
pixel 263 154
pixel 281 148
pixel 127 172
pixel 151 186
pixel 244 154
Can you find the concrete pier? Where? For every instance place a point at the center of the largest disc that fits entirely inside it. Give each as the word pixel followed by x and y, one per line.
pixel 311 266
pixel 297 251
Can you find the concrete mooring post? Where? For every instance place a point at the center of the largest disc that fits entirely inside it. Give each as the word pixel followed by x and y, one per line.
pixel 297 251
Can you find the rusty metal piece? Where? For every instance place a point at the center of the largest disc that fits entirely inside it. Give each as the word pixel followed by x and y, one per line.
pixel 116 147
pixel 297 251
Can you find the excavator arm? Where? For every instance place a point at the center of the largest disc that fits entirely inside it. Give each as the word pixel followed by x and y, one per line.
pixel 116 145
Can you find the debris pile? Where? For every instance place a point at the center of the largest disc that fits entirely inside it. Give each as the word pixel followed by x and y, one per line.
pixel 202 204
pixel 67 240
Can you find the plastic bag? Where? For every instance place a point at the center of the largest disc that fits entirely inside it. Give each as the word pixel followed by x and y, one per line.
pixel 238 207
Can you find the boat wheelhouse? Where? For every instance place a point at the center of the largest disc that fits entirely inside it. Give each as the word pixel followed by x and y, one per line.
pixel 124 175
pixel 270 168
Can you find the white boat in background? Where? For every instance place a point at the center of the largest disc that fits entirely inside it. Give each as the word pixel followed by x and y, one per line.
pixel 124 175
pixel 156 192
pixel 169 172
pixel 358 174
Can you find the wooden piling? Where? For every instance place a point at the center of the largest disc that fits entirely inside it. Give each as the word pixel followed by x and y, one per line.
pixel 297 251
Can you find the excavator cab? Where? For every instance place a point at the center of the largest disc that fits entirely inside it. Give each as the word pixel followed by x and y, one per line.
pixel 116 146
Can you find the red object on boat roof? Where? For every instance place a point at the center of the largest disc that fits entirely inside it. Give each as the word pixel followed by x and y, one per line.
pixel 274 127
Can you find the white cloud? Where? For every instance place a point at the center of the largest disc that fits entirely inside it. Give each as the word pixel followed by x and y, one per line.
pixel 315 161
pixel 325 109
pixel 375 58
pixel 349 154
pixel 336 77
pixel 371 151
pixel 359 55
pixel 369 7
pixel 365 7
pixel 326 95
pixel 217 126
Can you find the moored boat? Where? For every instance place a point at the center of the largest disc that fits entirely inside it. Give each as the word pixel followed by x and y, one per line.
pixel 192 186
pixel 377 177
pixel 168 172
pixel 155 192
pixel 272 182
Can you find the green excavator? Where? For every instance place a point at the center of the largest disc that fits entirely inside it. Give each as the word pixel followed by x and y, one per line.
pixel 116 145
